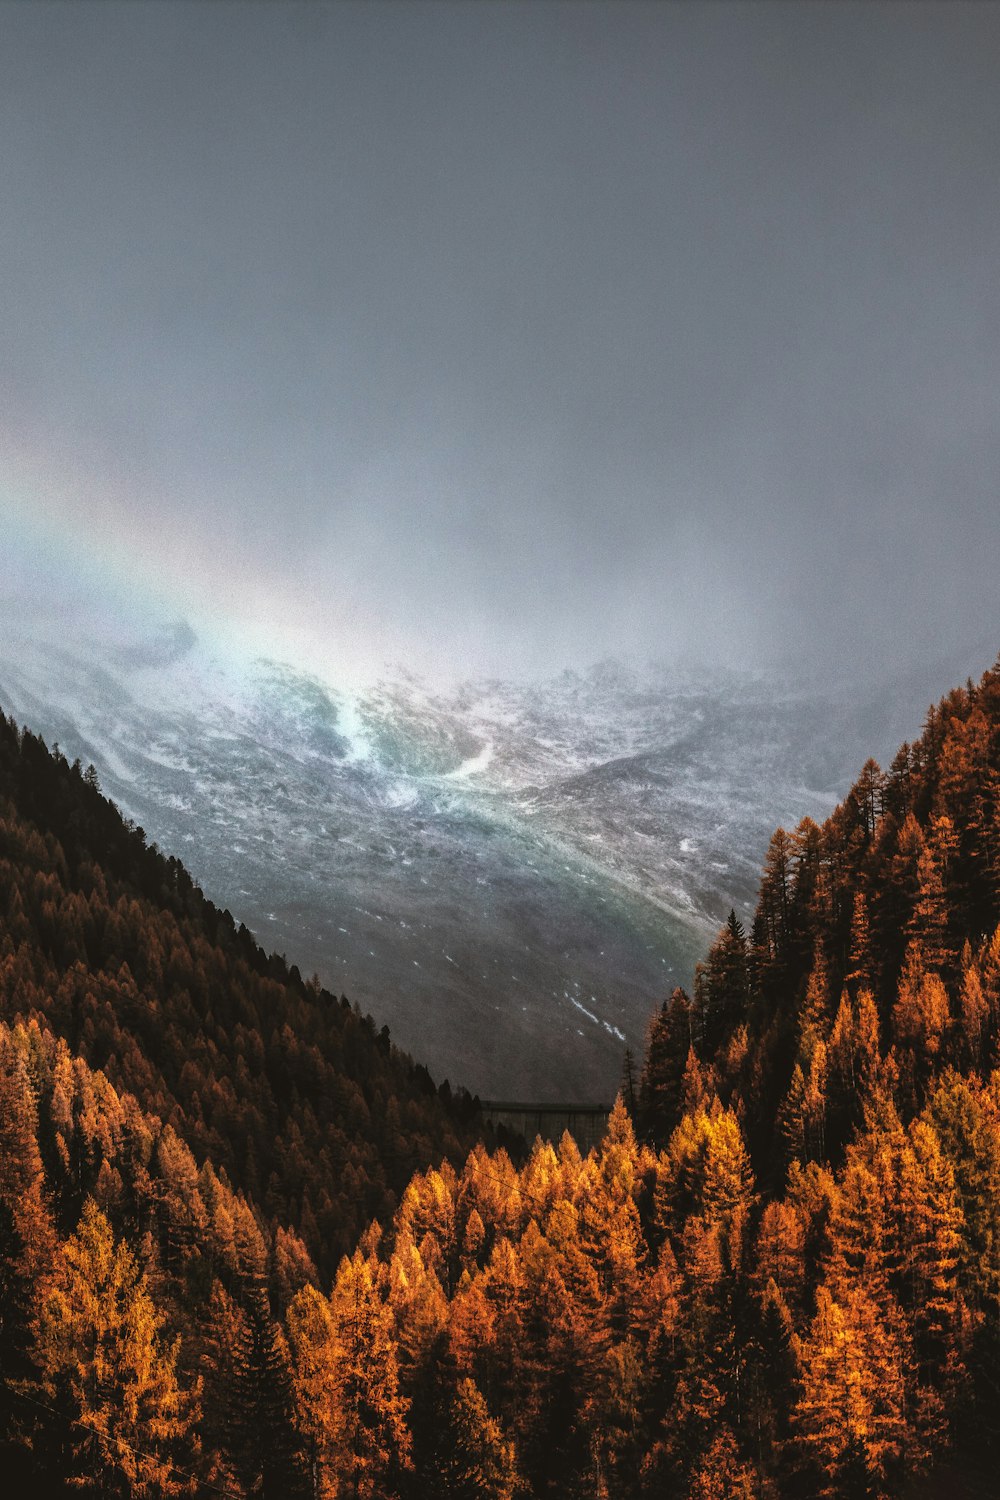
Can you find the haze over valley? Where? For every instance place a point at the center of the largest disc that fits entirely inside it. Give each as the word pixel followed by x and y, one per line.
pixel 509 874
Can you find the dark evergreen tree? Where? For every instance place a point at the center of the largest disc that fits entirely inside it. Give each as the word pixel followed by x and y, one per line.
pixel 263 1437
pixel 722 993
pixel 661 1084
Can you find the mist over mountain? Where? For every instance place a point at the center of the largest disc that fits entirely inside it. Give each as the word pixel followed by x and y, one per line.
pixel 507 874
pixel 478 486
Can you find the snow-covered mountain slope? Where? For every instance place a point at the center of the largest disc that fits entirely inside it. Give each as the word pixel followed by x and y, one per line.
pixel 508 875
pixel 666 780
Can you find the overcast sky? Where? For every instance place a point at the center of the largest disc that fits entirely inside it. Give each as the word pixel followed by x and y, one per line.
pixel 504 336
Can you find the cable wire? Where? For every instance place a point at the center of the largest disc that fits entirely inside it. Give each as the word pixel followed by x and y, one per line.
pixel 206 1484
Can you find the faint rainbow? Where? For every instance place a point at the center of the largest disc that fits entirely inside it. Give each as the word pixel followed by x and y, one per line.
pixel 65 541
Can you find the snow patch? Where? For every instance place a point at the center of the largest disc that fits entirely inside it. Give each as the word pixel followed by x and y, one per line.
pixel 351 726
pixel 400 794
pixel 588 1013
pixel 473 765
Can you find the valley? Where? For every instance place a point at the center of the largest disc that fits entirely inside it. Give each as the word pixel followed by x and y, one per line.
pixel 508 875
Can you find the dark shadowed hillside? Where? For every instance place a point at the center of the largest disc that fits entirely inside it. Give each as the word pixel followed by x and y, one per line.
pixel 108 943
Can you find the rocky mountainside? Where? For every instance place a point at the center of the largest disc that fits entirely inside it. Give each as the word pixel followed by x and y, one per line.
pixel 509 875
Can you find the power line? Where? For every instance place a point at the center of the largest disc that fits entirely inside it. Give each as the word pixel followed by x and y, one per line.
pixel 206 1484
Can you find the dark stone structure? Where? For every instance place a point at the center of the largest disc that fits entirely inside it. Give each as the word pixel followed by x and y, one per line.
pixel 586 1123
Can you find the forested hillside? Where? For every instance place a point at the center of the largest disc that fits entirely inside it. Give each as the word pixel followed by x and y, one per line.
pixel 779 1276
pixel 107 943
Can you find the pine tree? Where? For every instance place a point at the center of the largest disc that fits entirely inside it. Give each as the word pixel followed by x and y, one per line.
pixel 263 1433
pixel 931 1227
pixel 860 964
pixel 772 1383
pixel 476 1461
pixel 373 1446
pixel 420 1316
pixel 662 1080
pixel 103 1363
pixel 868 794
pixel 791 1120
pixel 774 905
pixel 722 992
pixel 312 1348
pixel 850 1420
pixel 921 1021
pixel 723 1471
pixel 220 1335
pixel 27 1238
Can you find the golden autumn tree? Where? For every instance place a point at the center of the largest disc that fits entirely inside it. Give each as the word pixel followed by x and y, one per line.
pixel 27 1237
pixel 104 1364
pixel 704 1195
pixel 311 1340
pixel 419 1306
pixel 426 1216
pixel 851 1417
pixel 723 1471
pixel 931 1228
pixel 966 1121
pixel 371 1450
pixel 921 1019
pixel 975 1019
pixel 860 963
pixel 708 1174
pixel 610 1229
pixel 853 1057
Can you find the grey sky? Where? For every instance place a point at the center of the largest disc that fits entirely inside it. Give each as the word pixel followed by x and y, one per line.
pixel 493 336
